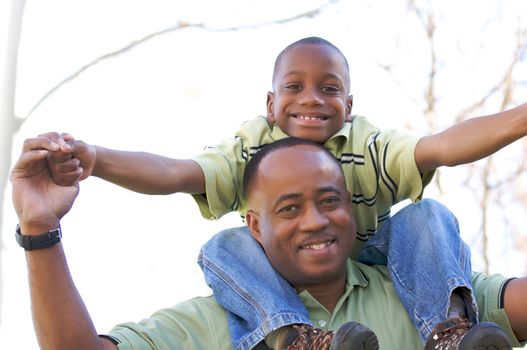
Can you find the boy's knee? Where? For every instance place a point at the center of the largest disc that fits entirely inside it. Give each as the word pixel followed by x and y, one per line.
pixel 432 207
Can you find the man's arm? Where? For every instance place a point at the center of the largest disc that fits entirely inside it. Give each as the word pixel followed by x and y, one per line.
pixel 60 318
pixel 516 306
pixel 472 139
pixel 137 171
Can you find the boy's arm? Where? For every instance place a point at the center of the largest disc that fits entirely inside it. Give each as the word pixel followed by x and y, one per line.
pixel 137 171
pixel 148 173
pixel 472 139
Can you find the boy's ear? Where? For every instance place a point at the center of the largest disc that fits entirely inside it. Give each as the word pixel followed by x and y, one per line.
pixel 270 107
pixel 349 106
pixel 253 222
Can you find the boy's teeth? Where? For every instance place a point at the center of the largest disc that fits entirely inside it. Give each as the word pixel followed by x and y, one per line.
pixel 309 118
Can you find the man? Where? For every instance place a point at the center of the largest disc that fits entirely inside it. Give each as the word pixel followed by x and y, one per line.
pixel 298 210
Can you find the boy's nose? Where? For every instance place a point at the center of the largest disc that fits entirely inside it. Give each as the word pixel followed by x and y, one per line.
pixel 311 97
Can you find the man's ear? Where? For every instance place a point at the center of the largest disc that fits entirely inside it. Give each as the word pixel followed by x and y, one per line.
pixel 253 222
pixel 349 107
pixel 270 107
pixel 349 199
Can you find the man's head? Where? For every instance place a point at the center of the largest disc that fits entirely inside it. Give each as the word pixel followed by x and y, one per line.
pixel 300 211
pixel 311 86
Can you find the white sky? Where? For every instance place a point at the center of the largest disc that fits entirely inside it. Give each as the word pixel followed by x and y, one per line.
pixel 132 254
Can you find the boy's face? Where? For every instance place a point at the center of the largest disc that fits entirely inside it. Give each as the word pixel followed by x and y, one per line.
pixel 311 93
pixel 300 212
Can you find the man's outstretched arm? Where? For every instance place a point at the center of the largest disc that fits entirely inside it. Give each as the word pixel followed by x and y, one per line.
pixel 60 318
pixel 516 306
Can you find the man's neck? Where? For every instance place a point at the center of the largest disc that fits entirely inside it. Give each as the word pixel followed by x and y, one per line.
pixel 327 294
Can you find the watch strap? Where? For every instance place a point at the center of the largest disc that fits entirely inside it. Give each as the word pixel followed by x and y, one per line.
pixel 44 240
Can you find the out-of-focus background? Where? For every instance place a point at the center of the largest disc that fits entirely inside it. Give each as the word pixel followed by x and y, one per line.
pixel 171 77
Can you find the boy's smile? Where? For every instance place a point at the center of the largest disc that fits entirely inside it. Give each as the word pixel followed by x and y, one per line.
pixel 311 87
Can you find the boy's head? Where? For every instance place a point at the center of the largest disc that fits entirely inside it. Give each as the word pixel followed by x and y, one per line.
pixel 310 97
pixel 300 212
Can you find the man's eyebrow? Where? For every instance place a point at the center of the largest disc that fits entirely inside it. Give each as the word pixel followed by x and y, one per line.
pixel 285 197
pixel 329 189
pixel 321 190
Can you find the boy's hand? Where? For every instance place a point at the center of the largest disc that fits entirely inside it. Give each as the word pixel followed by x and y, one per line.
pixel 72 162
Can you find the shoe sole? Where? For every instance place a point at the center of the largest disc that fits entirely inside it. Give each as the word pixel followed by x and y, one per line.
pixel 354 336
pixel 485 336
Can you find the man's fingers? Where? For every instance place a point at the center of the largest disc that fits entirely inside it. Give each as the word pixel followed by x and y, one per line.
pixel 27 161
pixel 40 143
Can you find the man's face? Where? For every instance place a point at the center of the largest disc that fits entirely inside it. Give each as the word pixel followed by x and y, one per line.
pixel 310 98
pixel 300 212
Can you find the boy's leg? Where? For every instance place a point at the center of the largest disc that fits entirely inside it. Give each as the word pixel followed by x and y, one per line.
pixel 427 260
pixel 257 298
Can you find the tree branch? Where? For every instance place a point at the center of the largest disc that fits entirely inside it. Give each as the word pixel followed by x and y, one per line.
pixel 178 26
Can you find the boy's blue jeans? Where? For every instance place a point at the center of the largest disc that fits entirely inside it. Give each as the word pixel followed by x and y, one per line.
pixel 420 245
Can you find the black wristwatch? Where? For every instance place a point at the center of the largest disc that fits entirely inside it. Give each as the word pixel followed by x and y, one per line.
pixel 44 240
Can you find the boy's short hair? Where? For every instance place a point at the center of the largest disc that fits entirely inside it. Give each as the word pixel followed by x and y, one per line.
pixel 254 163
pixel 313 40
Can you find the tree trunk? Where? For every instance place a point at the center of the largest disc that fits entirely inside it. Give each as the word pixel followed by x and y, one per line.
pixel 9 124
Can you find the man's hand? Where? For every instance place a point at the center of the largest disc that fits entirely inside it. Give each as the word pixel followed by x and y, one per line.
pixel 39 202
pixel 73 161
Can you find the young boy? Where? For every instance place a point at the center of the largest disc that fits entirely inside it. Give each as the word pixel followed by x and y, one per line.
pixel 311 100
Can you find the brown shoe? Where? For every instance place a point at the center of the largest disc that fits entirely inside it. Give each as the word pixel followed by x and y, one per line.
pixel 460 334
pixel 350 336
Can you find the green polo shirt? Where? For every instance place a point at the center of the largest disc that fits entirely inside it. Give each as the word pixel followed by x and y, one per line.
pixel 379 168
pixel 370 298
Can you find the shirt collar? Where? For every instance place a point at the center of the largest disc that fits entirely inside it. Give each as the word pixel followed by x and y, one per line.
pixel 355 278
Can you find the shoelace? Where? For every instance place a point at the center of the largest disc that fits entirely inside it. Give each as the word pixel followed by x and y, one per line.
pixel 310 338
pixel 449 335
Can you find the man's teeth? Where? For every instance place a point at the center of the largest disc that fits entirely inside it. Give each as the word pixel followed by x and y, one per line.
pixel 317 246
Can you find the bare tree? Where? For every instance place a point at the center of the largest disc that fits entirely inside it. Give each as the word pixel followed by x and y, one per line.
pixel 485 190
pixel 9 123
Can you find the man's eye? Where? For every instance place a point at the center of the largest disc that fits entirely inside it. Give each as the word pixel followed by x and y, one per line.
pixel 288 208
pixel 330 201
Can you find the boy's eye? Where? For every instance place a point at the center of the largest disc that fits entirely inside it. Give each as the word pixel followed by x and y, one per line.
pixel 292 86
pixel 330 89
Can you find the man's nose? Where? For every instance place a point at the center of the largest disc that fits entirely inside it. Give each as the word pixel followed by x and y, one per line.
pixel 313 219
pixel 311 97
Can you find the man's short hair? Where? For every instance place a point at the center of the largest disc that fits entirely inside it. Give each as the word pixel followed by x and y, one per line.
pixel 254 163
